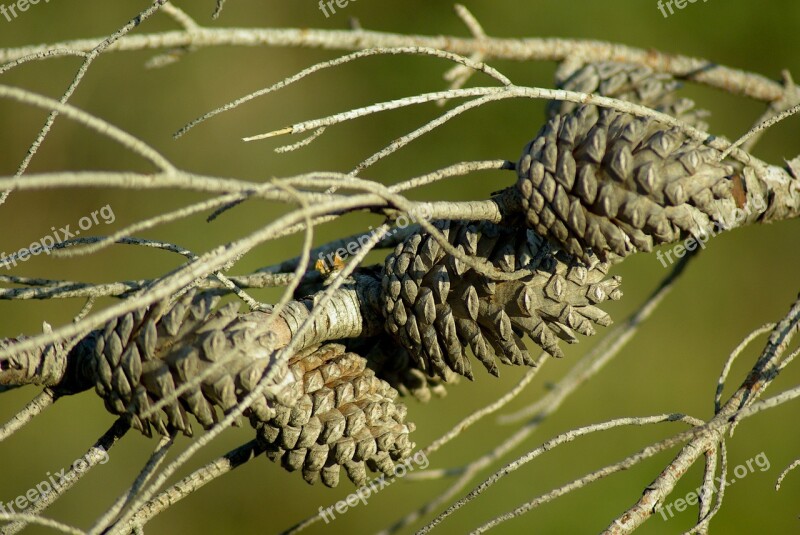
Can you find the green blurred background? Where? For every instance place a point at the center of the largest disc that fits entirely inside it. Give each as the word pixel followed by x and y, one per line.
pixel 744 278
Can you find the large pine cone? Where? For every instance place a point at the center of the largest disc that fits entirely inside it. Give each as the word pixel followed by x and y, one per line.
pixel 435 306
pixel 142 357
pixel 347 417
pixel 600 181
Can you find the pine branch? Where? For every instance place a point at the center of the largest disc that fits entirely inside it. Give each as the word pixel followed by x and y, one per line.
pixel 699 70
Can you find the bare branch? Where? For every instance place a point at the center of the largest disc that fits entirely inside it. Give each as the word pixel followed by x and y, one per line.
pixel 740 405
pixel 698 70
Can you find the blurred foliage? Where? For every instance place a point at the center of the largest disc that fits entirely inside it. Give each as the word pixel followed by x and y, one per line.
pixel 741 281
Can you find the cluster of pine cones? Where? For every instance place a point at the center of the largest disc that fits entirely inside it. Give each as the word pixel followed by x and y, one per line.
pixel 594 185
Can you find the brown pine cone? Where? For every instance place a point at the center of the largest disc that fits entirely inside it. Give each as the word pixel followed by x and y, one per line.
pixel 435 306
pixel 346 417
pixel 595 180
pixel 143 356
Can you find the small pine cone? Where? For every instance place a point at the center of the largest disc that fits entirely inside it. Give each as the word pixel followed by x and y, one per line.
pixel 346 417
pixel 142 357
pixel 436 306
pixel 595 180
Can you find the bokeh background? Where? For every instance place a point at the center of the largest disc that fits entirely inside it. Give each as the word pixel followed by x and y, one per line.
pixel 743 280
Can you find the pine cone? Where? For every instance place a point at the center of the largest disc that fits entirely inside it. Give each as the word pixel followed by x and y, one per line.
pixel 435 306
pixel 143 356
pixel 347 417
pixel 600 181
pixel 328 409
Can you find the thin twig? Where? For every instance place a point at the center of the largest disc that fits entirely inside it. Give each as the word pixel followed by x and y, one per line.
pixel 87 62
pixel 39 56
pixel 759 128
pixel 726 368
pixel 35 407
pixel 196 480
pixel 489 94
pixel 40 520
pixel 107 129
pixel 459 75
pixel 152 464
pixel 739 406
pixel 58 289
pixel 341 61
pixel 563 438
pixel 785 473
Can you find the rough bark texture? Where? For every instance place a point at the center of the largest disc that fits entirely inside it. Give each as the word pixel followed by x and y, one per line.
pixel 351 314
